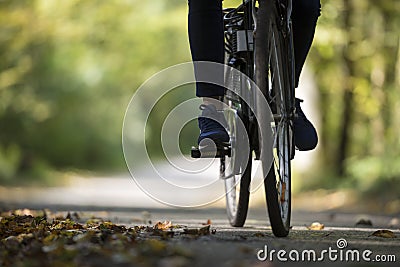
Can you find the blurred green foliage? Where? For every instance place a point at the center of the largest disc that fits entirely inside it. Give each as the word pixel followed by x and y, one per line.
pixel 68 69
pixel 67 72
pixel 356 60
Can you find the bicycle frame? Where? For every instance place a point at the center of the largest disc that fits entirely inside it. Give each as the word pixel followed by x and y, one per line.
pixel 247 12
pixel 265 54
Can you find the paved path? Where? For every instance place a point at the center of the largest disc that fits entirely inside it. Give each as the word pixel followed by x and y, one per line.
pixel 119 199
pixel 230 246
pixel 239 246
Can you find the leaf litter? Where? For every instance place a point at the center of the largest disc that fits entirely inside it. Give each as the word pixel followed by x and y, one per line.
pixel 42 238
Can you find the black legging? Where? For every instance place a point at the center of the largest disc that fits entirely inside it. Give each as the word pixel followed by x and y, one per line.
pixel 206 35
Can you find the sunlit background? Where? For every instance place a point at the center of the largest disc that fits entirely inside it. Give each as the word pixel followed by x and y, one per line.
pixel 69 68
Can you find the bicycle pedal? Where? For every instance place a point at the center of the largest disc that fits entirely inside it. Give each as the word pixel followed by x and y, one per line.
pixel 210 153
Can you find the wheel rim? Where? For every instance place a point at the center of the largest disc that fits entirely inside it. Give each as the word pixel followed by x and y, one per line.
pixel 234 168
pixel 283 132
pixel 282 168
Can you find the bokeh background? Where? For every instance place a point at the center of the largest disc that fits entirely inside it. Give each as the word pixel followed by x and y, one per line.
pixel 69 68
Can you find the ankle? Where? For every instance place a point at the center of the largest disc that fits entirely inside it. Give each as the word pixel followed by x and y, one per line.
pixel 215 101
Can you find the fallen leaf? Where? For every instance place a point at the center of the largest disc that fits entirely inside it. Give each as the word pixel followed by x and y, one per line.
pixel 191 231
pixel 384 234
pixel 316 226
pixel 364 222
pixel 207 223
pixel 22 212
pixel 258 234
pixel 163 225
pixel 111 226
pixel 196 231
pixel 64 241
pixel 204 230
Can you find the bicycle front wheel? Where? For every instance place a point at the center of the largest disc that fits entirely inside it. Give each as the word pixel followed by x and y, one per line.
pixel 274 76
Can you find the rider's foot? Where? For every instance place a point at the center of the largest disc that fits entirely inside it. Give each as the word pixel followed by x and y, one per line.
pixel 305 135
pixel 212 125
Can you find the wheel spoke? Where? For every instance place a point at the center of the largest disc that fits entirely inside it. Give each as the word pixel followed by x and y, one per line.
pixel 277 182
pixel 235 176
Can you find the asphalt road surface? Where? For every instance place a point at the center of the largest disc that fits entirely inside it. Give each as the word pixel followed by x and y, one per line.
pixel 339 243
pixel 342 242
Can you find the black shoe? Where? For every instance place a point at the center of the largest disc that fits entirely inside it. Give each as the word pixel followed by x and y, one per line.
pixel 305 135
pixel 212 125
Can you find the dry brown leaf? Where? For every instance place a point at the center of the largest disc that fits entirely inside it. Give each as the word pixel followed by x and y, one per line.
pixel 191 231
pixel 207 223
pixel 258 234
pixel 195 231
pixel 163 225
pixel 316 226
pixel 66 237
pixel 364 222
pixel 384 234
pixel 205 230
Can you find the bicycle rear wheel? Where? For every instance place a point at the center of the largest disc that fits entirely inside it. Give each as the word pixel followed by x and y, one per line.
pixel 274 76
pixel 235 170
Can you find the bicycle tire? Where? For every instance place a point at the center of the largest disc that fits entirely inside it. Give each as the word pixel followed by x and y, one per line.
pixel 274 76
pixel 237 211
pixel 236 176
pixel 240 59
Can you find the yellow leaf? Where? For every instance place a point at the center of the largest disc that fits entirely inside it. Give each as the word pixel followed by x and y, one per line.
pixel 163 225
pixel 316 226
pixel 384 234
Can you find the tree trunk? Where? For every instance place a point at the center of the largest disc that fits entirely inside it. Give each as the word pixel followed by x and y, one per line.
pixel 348 95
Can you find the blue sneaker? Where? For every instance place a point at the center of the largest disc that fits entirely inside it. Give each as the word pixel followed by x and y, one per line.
pixel 212 125
pixel 305 135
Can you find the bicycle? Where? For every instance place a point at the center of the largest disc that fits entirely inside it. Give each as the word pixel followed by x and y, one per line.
pixel 258 43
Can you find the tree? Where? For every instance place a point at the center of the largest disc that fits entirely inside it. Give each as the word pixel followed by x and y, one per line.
pixel 356 57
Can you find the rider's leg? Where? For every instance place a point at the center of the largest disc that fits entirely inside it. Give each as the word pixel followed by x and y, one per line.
pixel 206 44
pixel 206 37
pixel 304 17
